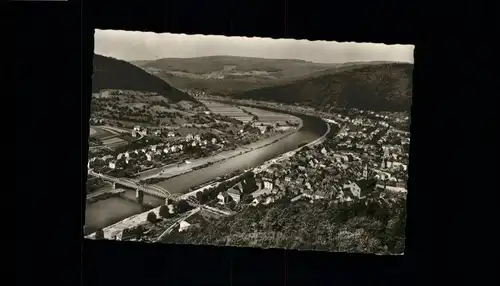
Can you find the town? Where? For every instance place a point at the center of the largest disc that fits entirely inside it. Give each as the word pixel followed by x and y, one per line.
pixel 121 145
pixel 363 159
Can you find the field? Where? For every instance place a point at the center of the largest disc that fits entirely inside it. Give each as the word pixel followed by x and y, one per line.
pixel 269 116
pixel 112 141
pixel 228 110
pixel 99 133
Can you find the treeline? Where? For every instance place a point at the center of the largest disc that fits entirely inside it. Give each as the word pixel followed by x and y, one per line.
pixel 373 228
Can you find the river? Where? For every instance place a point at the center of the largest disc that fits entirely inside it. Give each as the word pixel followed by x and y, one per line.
pixel 108 211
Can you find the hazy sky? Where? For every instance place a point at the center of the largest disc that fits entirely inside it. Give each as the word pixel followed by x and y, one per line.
pixel 127 45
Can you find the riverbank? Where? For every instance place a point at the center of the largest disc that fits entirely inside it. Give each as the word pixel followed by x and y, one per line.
pixel 110 211
pixel 138 219
pixel 172 170
pixel 94 197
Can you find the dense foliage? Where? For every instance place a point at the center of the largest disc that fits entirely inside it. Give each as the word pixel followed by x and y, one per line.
pixel 110 73
pixel 151 217
pixel 164 212
pixel 374 228
pixel 380 87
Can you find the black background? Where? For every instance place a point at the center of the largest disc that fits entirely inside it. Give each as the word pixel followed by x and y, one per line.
pixel 49 67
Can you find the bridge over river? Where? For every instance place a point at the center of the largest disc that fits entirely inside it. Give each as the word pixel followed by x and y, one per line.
pixel 153 190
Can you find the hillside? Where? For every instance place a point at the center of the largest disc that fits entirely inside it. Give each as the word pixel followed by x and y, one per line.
pixel 237 73
pixel 110 73
pixel 373 228
pixel 381 86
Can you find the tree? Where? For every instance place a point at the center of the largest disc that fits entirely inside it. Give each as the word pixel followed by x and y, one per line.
pixel 200 197
pixel 164 212
pixel 249 186
pixel 151 217
pixel 99 234
pixel 182 206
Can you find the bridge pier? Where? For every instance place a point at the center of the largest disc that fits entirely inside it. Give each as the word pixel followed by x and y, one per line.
pixel 139 195
pixel 114 186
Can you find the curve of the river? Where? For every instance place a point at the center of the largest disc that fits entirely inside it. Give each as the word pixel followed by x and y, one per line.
pixel 108 211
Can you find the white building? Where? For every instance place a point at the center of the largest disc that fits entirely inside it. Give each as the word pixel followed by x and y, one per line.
pixel 268 185
pixel 184 225
pixel 353 188
pixel 112 164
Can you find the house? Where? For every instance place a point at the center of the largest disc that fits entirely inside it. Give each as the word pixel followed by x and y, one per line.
pixel 321 195
pixel 323 151
pixel 235 192
pixel 149 156
pixel 166 150
pixel 223 198
pixel 268 184
pixel 255 202
pixel 261 192
pixel 344 197
pixel 107 158
pixel 157 132
pixel 153 148
pixel 171 208
pixel 119 156
pixel 268 200
pixel 353 188
pixel 184 225
pixel 307 193
pixel 112 164
pixel 197 137
pixel 214 140
pixel 308 185
pixel 171 134
pixel 137 128
pixel 299 181
pixel 189 137
pixel 127 155
pixel 296 198
pixel 194 144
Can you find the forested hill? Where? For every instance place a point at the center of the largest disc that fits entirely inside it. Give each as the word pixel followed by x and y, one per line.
pixel 378 87
pixel 372 228
pixel 110 73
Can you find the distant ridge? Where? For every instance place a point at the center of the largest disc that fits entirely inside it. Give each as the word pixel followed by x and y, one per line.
pixel 111 73
pixel 379 86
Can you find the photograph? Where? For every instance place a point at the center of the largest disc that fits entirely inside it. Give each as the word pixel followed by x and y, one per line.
pixel 249 142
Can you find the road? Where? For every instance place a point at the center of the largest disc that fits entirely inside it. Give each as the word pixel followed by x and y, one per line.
pixel 178 221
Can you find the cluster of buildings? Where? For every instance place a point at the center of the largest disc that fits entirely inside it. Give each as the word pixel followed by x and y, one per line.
pixel 154 152
pixel 368 163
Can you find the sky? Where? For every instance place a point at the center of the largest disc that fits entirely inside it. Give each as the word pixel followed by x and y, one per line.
pixel 131 46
